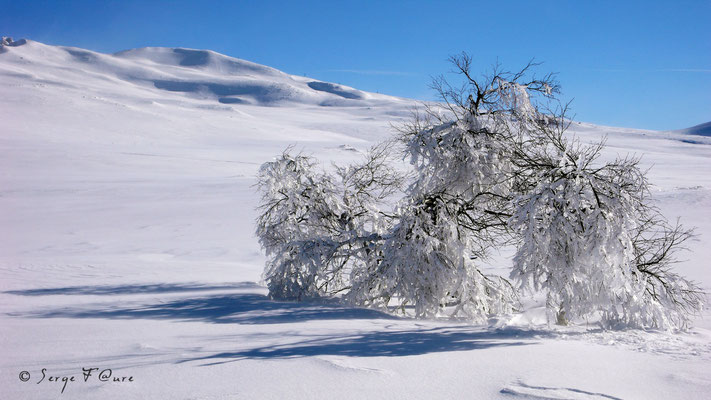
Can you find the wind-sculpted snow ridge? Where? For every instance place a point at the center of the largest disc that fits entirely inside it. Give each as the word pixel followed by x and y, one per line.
pixel 195 74
pixel 198 59
pixel 526 391
pixel 679 347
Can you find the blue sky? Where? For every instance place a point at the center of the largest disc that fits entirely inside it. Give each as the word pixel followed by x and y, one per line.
pixel 643 64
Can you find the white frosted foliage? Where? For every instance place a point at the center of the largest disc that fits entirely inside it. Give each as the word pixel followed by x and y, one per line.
pixel 491 170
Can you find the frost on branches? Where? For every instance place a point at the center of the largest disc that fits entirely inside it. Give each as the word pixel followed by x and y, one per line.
pixel 493 167
pixel 581 232
pixel 318 228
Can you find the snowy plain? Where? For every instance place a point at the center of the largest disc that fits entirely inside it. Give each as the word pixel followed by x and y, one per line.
pixel 127 207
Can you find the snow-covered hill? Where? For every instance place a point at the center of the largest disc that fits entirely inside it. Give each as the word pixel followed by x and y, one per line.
pixel 126 242
pixel 700 129
pixel 199 74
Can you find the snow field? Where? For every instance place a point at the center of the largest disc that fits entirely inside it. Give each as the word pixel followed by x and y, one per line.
pixel 126 242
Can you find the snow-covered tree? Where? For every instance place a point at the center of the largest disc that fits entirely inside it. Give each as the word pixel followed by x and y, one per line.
pixel 300 210
pixel 316 227
pixel 494 166
pixel 591 240
pixel 576 227
pixel 425 261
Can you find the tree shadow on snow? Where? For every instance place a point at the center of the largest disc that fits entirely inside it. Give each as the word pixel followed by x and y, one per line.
pixel 103 290
pixel 222 308
pixel 382 343
pixel 254 308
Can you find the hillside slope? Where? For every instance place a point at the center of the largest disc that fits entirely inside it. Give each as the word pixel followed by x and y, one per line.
pixel 700 129
pixel 199 74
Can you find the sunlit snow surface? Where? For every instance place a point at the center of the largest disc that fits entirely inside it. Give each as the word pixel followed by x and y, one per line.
pixel 126 242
